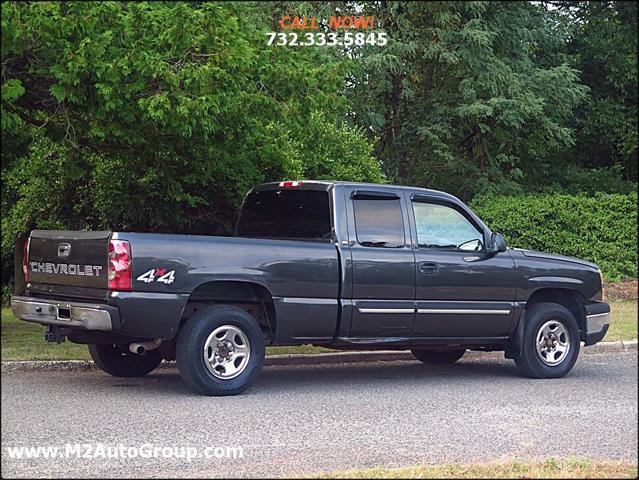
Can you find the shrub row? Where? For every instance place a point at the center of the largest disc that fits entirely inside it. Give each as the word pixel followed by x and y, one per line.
pixel 601 228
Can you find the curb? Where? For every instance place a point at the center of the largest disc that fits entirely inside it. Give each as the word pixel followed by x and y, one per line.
pixel 299 358
pixel 618 346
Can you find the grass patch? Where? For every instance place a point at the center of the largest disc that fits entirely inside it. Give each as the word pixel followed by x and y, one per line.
pixel 552 468
pixel 623 325
pixel 24 341
pixel 296 349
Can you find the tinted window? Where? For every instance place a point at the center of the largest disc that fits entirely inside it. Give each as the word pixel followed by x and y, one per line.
pixel 439 226
pixel 379 223
pixel 286 214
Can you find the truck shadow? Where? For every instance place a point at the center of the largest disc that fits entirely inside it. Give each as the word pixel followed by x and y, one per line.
pixel 323 378
pixel 374 375
pixel 379 373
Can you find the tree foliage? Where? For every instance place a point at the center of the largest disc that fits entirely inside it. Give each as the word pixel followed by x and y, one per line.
pixel 159 116
pixel 473 96
pixel 604 46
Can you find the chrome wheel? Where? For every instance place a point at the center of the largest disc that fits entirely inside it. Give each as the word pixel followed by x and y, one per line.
pixel 227 352
pixel 552 342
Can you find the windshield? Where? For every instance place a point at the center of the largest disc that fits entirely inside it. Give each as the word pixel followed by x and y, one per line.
pixel 294 214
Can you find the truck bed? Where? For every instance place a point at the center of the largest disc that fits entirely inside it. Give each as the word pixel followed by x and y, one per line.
pixel 302 276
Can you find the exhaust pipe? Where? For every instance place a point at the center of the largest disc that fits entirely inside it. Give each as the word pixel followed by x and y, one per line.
pixel 142 347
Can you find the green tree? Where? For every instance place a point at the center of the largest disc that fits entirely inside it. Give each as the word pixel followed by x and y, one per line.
pixel 474 96
pixel 603 43
pixel 160 116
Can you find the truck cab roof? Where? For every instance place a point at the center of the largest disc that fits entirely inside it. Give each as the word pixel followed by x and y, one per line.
pixel 325 184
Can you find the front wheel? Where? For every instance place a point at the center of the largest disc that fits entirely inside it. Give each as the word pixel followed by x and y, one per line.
pixel 438 357
pixel 220 350
pixel 116 360
pixel 551 342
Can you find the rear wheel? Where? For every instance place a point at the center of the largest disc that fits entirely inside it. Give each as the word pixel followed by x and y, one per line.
pixel 220 350
pixel 551 342
pixel 439 357
pixel 116 360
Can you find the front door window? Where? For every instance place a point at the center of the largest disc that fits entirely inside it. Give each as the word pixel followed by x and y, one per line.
pixel 443 227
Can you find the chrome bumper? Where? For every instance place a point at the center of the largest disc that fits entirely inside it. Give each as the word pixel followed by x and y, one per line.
pixel 67 314
pixel 597 322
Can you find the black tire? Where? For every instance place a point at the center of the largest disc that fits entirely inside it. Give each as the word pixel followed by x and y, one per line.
pixel 438 357
pixel 116 360
pixel 192 338
pixel 530 362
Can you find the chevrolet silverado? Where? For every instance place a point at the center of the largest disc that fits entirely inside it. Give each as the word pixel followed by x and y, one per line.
pixel 335 264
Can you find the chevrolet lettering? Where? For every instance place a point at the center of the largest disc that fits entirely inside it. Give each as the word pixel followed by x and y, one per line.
pixel 65 268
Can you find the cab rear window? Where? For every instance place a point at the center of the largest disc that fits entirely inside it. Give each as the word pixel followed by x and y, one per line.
pixel 293 214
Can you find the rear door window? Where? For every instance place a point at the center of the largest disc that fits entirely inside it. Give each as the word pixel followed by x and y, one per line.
pixel 378 222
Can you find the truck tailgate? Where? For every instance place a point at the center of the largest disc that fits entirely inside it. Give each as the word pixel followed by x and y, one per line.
pixel 70 258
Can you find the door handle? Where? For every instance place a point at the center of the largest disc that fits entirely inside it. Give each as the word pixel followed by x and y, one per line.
pixel 428 268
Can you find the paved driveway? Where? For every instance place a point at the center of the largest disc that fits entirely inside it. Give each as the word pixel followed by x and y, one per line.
pixel 310 418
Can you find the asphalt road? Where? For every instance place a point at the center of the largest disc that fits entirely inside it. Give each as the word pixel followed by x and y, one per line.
pixel 312 418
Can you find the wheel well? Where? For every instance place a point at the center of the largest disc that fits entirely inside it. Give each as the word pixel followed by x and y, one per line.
pixel 250 297
pixel 570 299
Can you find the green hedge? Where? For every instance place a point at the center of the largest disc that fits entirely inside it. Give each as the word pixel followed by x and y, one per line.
pixel 601 228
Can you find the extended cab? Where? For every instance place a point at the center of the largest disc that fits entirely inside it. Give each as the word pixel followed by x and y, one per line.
pixel 336 264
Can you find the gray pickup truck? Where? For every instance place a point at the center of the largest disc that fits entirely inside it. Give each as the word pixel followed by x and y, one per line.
pixel 336 264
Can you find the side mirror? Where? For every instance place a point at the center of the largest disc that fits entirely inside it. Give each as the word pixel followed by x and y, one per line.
pixel 497 244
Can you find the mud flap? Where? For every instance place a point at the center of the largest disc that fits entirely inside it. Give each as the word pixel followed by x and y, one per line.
pixel 514 345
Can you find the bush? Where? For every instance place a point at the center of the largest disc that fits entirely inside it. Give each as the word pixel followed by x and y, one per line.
pixel 601 228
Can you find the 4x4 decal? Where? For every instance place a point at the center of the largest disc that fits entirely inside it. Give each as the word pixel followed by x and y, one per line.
pixel 161 274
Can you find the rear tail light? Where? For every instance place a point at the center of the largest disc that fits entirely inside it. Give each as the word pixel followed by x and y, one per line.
pixel 25 260
pixel 119 265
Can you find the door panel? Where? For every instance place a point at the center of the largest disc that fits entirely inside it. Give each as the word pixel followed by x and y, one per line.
pixel 383 274
pixel 464 300
pixel 383 277
pixel 460 293
pixel 383 318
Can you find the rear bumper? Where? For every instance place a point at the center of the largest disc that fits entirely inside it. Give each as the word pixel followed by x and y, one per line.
pixel 89 316
pixel 597 322
pixel 133 314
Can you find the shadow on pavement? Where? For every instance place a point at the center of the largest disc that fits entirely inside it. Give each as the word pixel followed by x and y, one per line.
pixel 291 379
